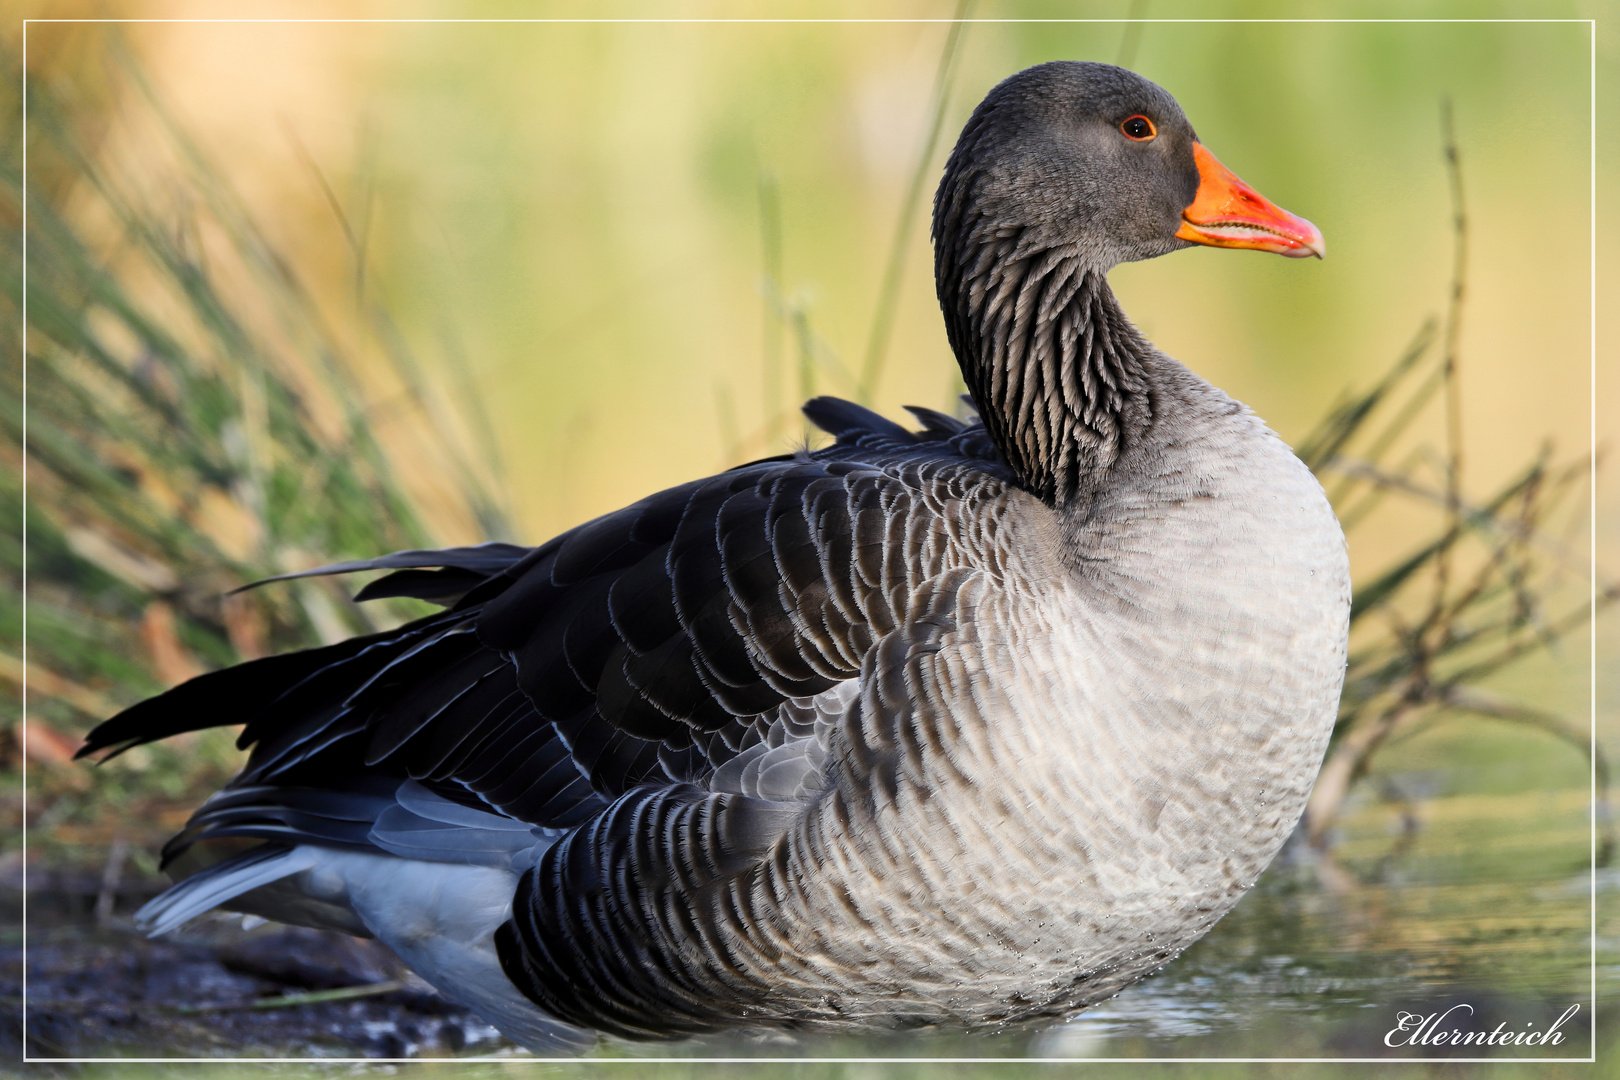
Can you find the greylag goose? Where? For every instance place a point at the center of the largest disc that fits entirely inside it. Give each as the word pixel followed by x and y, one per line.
pixel 968 725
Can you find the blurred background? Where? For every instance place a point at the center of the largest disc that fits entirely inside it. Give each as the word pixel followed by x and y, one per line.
pixel 309 290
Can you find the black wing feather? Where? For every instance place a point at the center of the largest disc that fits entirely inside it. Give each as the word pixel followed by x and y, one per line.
pixel 483 560
pixel 636 649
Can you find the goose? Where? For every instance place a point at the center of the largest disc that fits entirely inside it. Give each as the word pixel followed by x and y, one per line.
pixel 966 724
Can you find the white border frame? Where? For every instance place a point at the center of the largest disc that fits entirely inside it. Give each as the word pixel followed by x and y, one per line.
pixel 1591 1056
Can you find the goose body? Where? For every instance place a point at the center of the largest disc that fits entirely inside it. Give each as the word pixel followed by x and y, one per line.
pixel 974 724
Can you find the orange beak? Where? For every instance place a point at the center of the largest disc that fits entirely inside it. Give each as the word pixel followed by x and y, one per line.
pixel 1229 213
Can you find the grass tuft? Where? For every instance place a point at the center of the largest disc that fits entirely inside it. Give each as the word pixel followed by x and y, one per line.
pixel 194 419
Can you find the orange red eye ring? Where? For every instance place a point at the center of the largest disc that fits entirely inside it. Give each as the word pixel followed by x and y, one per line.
pixel 1137 128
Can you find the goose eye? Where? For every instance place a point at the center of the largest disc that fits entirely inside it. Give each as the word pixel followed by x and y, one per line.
pixel 1139 128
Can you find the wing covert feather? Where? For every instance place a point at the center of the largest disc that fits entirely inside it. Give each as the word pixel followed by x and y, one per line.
pixel 638 652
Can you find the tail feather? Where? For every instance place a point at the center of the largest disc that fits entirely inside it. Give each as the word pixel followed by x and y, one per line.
pixel 290 815
pixel 216 698
pixel 220 884
pixel 219 697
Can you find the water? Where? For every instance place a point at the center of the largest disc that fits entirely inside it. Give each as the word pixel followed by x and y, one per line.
pixel 1299 970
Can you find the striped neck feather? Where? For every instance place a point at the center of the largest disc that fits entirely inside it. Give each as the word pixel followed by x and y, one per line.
pixel 1058 372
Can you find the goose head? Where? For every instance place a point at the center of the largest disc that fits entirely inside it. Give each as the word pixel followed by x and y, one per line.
pixel 1098 160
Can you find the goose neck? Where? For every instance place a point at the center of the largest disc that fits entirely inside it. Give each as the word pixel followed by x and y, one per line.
pixel 1061 377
